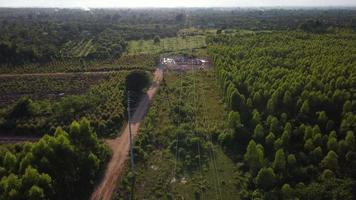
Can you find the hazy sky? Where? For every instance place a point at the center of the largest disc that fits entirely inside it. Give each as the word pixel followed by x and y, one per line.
pixel 172 3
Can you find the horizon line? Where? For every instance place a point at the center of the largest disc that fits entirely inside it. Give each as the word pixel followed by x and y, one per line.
pixel 187 7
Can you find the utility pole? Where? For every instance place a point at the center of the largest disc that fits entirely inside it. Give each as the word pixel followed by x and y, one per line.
pixel 131 151
pixel 130 134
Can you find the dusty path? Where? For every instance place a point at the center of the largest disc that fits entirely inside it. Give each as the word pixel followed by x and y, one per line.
pixel 120 145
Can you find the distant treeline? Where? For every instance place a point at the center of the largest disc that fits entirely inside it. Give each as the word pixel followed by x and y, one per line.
pixel 40 35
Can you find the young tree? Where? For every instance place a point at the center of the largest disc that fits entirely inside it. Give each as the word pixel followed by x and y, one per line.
pixel 258 133
pixel 235 120
pixel 274 125
pixel 278 144
pixel 36 193
pixel 269 140
pixel 291 160
pixel 317 154
pixel 308 133
pixel 330 161
pixel 285 138
pixel 305 107
pixel 287 100
pixel 309 145
pixel 347 107
pixel 266 179
pixel 327 174
pixel 322 118
pixel 253 157
pixel 279 163
pixel 332 144
pixel 256 118
pixel 350 140
pixel 9 187
pixel 287 191
pixel 10 161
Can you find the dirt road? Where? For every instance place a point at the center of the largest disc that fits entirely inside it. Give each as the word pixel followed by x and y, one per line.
pixel 11 139
pixel 120 145
pixel 56 74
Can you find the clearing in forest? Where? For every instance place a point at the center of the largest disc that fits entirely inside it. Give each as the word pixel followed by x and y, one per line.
pixel 175 152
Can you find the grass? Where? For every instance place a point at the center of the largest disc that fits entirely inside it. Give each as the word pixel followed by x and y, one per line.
pixel 165 45
pixel 155 177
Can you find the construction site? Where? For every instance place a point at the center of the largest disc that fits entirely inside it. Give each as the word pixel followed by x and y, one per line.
pixel 180 62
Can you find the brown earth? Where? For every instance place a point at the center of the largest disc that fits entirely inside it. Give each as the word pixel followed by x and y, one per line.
pixel 120 145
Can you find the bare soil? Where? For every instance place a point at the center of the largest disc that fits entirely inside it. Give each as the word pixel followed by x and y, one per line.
pixel 120 145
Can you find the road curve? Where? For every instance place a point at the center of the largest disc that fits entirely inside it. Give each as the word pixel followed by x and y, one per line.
pixel 120 145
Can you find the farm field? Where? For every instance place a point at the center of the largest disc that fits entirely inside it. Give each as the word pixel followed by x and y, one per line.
pixel 166 45
pixel 102 103
pixel 79 49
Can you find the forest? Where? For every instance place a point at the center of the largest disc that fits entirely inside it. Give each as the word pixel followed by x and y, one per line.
pixel 272 115
pixel 292 101
pixel 42 35
pixel 33 171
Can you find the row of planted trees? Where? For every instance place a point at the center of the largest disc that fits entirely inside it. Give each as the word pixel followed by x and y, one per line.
pixel 63 166
pixel 103 104
pixel 292 100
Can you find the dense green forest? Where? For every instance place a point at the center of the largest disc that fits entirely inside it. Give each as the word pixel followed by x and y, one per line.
pixel 34 171
pixel 274 118
pixel 292 100
pixel 43 35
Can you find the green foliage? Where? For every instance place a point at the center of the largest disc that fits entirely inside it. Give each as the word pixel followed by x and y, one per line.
pixel 156 39
pixel 254 157
pixel 287 192
pixel 102 104
pixel 266 179
pixel 327 189
pixel 235 120
pixel 43 176
pixel 301 88
pixel 330 161
pixel 258 133
pixel 10 161
pixel 137 80
pixel 291 160
pixel 279 163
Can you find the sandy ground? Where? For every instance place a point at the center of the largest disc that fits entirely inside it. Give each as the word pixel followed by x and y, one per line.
pixel 120 145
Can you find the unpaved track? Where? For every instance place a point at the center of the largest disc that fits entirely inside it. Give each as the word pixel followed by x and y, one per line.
pixel 11 139
pixel 56 73
pixel 120 145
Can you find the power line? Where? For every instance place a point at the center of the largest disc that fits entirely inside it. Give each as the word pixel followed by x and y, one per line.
pixel 211 152
pixel 195 122
pixel 216 184
pixel 177 137
pixel 130 140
